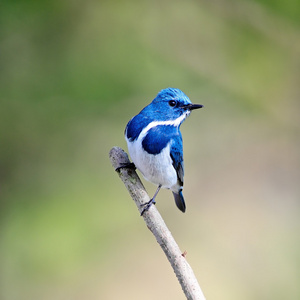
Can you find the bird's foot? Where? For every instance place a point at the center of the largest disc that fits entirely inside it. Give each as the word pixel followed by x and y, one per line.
pixel 129 165
pixel 147 205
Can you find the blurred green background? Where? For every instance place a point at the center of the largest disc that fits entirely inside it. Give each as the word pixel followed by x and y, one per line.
pixel 72 73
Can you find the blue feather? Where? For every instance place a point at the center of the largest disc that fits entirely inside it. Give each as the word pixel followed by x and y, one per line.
pixel 136 125
pixel 176 153
pixel 179 200
pixel 158 138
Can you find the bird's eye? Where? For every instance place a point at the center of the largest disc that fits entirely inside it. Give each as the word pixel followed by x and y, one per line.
pixel 172 103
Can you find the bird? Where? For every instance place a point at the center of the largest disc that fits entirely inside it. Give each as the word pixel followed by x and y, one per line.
pixel 155 144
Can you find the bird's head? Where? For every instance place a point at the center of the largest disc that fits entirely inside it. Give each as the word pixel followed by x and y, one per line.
pixel 170 104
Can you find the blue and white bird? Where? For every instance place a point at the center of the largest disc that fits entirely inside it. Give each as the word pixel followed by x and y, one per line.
pixel 155 142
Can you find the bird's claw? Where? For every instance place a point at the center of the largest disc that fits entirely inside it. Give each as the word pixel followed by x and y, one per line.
pixel 147 205
pixel 129 165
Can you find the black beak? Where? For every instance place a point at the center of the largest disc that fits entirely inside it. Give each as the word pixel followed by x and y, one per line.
pixel 193 106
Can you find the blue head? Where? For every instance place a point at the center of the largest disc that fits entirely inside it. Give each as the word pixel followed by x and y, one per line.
pixel 169 105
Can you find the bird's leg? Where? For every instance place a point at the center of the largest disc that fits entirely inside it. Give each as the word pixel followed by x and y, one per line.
pixel 152 201
pixel 129 165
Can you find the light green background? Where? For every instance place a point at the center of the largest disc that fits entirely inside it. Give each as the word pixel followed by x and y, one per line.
pixel 72 73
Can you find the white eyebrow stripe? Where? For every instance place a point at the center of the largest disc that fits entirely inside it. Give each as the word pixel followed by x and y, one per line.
pixel 153 124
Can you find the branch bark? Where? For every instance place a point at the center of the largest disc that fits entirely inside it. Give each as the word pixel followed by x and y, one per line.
pixel 157 226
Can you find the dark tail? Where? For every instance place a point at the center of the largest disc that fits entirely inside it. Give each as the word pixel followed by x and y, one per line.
pixel 179 200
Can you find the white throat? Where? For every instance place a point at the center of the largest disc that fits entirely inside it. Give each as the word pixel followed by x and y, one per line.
pixel 153 124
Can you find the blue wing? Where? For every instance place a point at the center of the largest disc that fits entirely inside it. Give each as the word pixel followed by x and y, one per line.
pixel 176 153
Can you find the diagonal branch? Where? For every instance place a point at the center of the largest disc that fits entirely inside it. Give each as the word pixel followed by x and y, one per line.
pixel 157 226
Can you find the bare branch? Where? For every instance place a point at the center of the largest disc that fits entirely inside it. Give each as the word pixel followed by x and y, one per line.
pixel 157 226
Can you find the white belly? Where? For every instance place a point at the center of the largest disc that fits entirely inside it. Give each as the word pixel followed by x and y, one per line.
pixel 158 168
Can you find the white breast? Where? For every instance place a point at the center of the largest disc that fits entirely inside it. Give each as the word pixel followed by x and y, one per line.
pixel 158 168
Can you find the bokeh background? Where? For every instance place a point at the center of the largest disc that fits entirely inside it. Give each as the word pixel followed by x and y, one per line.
pixel 72 73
